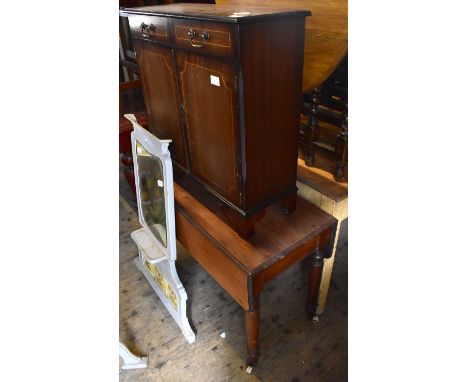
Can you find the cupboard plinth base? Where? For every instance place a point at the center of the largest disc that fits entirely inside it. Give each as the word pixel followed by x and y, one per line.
pixel 288 204
pixel 244 226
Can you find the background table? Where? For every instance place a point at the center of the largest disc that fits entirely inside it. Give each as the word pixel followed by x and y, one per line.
pixel 319 188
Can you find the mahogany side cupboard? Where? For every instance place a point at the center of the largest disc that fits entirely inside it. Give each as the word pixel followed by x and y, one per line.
pixel 224 83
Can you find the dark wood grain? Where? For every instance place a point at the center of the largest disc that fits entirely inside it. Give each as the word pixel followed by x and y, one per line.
pixel 252 326
pixel 272 91
pixel 276 234
pixel 225 13
pixel 341 147
pixel 149 27
pixel 326 41
pixel 244 266
pixel 236 99
pixel 159 83
pixel 224 269
pixel 316 351
pixel 312 127
pixel 211 122
pixel 221 40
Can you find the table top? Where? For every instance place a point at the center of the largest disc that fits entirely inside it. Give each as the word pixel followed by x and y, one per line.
pixel 225 13
pixel 275 236
pixel 322 180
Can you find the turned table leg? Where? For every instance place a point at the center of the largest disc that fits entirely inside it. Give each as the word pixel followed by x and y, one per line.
pixel 327 273
pixel 315 274
pixel 252 324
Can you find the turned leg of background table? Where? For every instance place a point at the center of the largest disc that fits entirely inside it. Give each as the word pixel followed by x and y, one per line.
pixel 315 274
pixel 326 274
pixel 252 323
pixel 339 210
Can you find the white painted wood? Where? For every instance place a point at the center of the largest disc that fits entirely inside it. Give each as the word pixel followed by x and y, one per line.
pixel 159 148
pixel 130 360
pixel 147 244
pixel 327 273
pixel 169 285
pixel 156 261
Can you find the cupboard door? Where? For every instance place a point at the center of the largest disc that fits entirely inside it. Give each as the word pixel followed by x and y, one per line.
pixel 208 93
pixel 160 87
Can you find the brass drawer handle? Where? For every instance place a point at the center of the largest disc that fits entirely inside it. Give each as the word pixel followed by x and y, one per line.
pixel 204 37
pixel 145 27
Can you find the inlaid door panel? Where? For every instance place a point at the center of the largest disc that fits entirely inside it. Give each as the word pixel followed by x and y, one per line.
pixel 160 87
pixel 208 92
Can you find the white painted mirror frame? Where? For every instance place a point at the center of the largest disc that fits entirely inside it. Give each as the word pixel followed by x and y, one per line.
pixel 160 148
pixel 168 283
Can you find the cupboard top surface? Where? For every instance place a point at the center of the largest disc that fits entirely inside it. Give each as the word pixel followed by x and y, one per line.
pixel 224 13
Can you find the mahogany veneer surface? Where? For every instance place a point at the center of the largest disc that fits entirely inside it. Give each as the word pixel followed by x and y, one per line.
pixel 229 101
pixel 326 37
pixel 225 12
pixel 276 234
pixel 244 266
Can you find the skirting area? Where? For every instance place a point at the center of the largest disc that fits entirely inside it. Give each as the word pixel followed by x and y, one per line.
pixel 293 348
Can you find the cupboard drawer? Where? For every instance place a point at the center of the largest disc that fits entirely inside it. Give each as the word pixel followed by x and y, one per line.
pixel 204 37
pixel 149 27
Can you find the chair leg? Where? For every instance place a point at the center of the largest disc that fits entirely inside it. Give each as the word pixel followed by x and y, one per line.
pixel 341 147
pixel 312 128
pixel 127 161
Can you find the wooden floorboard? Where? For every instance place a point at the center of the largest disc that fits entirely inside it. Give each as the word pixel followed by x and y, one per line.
pixel 293 348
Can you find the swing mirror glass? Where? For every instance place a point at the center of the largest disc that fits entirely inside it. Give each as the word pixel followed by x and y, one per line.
pixel 152 200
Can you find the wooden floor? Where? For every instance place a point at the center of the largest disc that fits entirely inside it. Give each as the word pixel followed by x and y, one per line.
pixel 293 348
